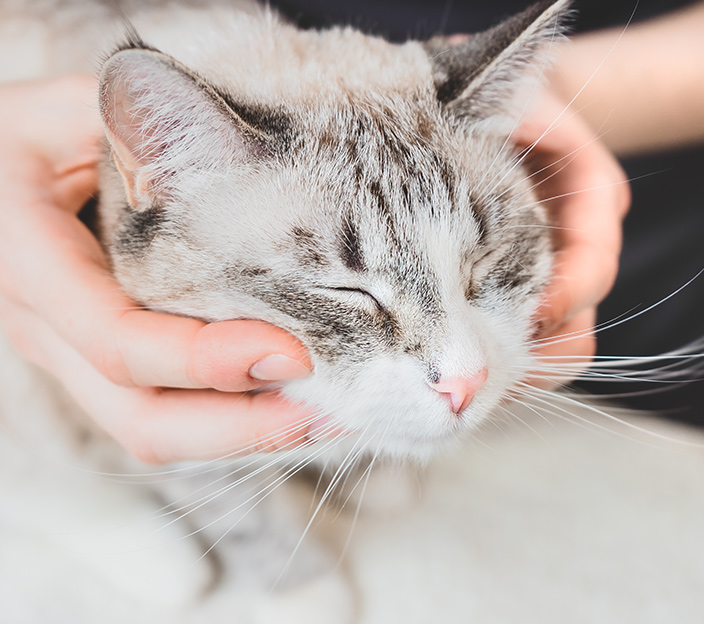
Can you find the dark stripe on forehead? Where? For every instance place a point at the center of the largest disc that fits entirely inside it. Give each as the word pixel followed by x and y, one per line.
pixel 424 286
pixel 481 221
pixel 307 247
pixel 380 199
pixel 350 246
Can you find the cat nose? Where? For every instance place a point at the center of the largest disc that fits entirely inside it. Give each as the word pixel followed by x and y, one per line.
pixel 459 391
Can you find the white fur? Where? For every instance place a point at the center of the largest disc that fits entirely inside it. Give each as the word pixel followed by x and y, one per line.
pixel 546 524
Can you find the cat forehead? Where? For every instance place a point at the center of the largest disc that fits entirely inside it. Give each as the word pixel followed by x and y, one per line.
pixel 396 168
pixel 268 60
pixel 374 184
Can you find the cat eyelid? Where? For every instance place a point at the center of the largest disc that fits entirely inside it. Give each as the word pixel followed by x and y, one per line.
pixel 361 291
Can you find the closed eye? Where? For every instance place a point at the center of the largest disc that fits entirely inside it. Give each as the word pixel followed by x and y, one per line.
pixel 480 267
pixel 358 291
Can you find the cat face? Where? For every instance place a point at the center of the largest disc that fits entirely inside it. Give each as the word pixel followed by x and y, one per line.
pixel 388 228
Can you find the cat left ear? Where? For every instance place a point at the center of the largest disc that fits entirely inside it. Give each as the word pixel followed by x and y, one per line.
pixel 162 119
pixel 481 76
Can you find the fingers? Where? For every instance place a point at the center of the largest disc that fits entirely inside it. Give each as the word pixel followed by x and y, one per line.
pixel 132 346
pixel 204 424
pixel 161 350
pixel 587 196
pixel 55 120
pixel 162 426
pixel 583 275
pixel 75 187
pixel 63 309
pixel 574 342
pixel 589 237
pixel 174 425
pixel 51 264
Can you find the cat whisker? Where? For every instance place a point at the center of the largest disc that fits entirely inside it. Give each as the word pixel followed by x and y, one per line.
pixel 230 486
pixel 548 407
pixel 364 479
pixel 542 396
pixel 540 226
pixel 505 409
pixel 260 492
pixel 520 157
pixel 610 324
pixel 349 460
pixel 271 487
pixel 277 458
pixel 599 187
pixel 566 161
pixel 669 365
pixel 217 461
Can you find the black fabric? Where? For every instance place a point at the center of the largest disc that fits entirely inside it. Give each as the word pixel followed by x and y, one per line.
pixel 663 246
pixel 399 20
pixel 663 251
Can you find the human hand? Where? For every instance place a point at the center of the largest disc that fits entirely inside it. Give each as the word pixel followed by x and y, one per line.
pixel 167 388
pixel 587 196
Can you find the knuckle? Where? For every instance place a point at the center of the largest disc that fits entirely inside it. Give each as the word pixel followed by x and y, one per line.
pixel 197 371
pixel 135 433
pixel 623 197
pixel 110 363
pixel 266 442
pixel 261 443
pixel 609 273
pixel 589 348
pixel 138 443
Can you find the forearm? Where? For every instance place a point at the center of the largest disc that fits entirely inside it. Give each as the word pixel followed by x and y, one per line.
pixel 647 88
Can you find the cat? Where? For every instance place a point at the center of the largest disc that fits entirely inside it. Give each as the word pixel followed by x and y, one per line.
pixel 411 273
pixel 359 194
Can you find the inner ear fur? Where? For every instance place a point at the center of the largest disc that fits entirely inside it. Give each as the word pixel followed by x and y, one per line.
pixel 160 118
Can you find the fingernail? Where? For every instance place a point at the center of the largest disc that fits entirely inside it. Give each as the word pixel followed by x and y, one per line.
pixel 278 367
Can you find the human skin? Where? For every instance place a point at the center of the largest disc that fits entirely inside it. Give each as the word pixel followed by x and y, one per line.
pixel 167 388
pixel 640 87
pixel 170 388
pixel 609 77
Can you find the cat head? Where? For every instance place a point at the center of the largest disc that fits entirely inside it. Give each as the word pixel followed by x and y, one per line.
pixel 386 224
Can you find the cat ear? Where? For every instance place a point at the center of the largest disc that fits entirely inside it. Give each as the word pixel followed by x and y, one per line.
pixel 161 119
pixel 481 76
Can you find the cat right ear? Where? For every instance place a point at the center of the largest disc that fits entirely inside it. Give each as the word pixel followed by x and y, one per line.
pixel 481 76
pixel 161 119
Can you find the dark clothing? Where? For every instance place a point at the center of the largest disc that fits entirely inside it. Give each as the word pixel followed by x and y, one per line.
pixel 664 231
pixel 400 19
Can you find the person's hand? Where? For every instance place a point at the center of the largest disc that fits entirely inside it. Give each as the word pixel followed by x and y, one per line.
pixel 167 388
pixel 587 195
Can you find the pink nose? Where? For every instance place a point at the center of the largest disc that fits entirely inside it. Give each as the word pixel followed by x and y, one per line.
pixel 460 391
